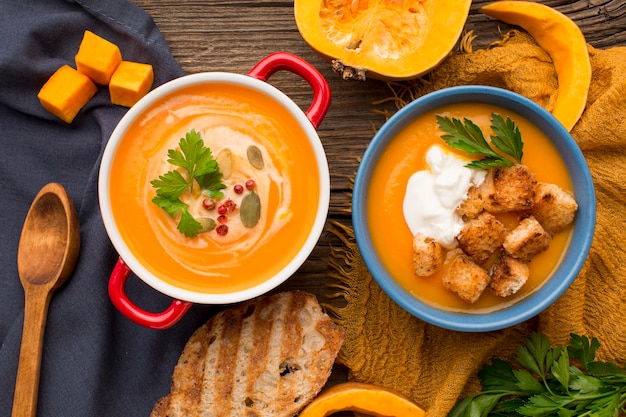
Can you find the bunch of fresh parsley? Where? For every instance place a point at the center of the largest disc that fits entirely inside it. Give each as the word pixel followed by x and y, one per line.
pixel 201 169
pixel 467 136
pixel 563 381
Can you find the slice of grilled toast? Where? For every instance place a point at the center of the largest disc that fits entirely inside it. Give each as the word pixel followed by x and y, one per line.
pixel 267 357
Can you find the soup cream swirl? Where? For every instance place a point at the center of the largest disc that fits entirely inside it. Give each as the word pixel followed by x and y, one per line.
pixel 219 130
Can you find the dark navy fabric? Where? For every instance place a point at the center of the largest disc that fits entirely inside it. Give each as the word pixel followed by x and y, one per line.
pixel 95 361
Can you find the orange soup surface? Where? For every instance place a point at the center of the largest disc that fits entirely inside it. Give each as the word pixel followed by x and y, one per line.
pixel 405 155
pixel 232 118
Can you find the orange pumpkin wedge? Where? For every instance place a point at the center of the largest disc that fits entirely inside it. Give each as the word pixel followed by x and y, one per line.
pixel 563 40
pixel 388 40
pixel 362 398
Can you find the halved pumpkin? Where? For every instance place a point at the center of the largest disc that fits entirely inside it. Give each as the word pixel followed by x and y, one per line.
pixel 362 398
pixel 384 39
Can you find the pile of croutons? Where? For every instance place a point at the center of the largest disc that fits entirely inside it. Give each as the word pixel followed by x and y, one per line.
pixel 543 210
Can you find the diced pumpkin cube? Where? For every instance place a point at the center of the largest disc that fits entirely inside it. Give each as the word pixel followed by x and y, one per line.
pixel 66 92
pixel 97 58
pixel 130 82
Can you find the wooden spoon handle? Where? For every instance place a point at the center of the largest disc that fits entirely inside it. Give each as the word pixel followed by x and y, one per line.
pixel 29 366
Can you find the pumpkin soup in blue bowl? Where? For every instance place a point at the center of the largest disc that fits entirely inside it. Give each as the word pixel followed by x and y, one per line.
pixel 473 208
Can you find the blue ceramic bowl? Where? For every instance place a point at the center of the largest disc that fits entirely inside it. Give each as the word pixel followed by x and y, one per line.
pixel 584 225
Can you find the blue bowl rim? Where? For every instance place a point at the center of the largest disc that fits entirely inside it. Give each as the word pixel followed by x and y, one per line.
pixel 579 245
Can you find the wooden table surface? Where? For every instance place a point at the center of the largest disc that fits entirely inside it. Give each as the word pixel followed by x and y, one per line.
pixel 232 35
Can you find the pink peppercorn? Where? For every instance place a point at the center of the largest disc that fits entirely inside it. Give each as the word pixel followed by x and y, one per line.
pixel 208 203
pixel 230 205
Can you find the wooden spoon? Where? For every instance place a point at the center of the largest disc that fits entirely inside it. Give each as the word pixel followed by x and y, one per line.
pixel 46 256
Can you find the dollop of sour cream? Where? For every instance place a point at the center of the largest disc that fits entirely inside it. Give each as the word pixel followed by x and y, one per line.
pixel 433 195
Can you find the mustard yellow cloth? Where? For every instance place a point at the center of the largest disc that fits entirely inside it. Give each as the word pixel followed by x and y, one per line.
pixel 435 367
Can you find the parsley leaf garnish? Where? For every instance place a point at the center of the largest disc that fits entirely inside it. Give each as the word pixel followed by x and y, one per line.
pixel 467 136
pixel 507 137
pixel 170 185
pixel 562 381
pixel 201 169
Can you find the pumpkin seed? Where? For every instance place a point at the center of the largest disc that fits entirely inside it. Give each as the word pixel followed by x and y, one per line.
pixel 255 157
pixel 207 224
pixel 225 162
pixel 250 209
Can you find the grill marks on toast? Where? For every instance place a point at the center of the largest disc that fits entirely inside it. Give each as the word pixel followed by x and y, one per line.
pixel 289 350
pixel 267 357
pixel 261 383
pixel 186 389
pixel 256 349
pixel 219 375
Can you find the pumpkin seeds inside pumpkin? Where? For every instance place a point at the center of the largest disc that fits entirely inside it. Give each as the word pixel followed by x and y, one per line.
pixel 250 209
pixel 207 223
pixel 255 157
pixel 225 162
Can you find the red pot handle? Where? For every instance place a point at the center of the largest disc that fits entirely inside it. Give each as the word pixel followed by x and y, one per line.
pixel 284 61
pixel 158 321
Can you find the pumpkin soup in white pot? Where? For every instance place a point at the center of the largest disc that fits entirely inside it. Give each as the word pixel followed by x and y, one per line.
pixel 214 188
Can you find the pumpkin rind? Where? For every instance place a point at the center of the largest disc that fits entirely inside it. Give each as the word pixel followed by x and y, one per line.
pixel 390 40
pixel 563 40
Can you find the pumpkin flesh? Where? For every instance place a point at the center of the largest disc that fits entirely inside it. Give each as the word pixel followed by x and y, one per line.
pixel 388 39
pixel 363 398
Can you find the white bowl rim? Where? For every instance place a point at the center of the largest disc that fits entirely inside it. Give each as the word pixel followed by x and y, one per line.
pixel 136 111
pixel 582 236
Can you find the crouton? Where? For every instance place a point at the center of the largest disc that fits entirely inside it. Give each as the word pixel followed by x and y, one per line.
pixel 553 207
pixel 481 237
pixel 527 239
pixel 508 189
pixel 508 275
pixel 466 279
pixel 428 255
pixel 472 206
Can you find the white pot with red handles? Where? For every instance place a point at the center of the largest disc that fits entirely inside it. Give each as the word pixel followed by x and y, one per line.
pixel 183 298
